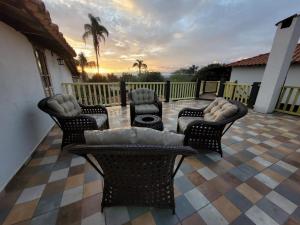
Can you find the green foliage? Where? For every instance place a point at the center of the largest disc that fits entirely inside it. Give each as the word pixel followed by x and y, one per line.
pixel 128 77
pixel 212 72
pixel 181 77
pixel 112 78
pixel 151 77
pixel 183 74
pixel 98 78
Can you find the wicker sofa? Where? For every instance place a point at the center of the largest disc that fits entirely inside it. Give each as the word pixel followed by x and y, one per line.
pixel 144 101
pixel 204 128
pixel 73 118
pixel 138 164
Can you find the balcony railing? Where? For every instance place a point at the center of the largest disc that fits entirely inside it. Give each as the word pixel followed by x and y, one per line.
pixel 158 87
pixel 239 92
pixel 289 100
pixel 182 90
pixel 107 94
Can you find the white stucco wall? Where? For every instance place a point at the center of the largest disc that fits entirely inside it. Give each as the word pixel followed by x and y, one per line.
pixel 23 125
pixel 59 73
pixel 255 74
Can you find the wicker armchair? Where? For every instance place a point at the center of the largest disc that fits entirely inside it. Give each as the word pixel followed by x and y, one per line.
pixel 135 174
pixel 73 118
pixel 144 101
pixel 206 135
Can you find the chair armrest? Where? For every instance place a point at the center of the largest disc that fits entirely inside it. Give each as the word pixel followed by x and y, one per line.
pixel 93 109
pixel 159 105
pixel 191 112
pixel 204 128
pixel 78 123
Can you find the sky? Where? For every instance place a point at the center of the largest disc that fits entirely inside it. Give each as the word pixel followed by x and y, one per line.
pixel 172 34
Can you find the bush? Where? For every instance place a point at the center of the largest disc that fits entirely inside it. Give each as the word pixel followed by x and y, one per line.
pixel 151 77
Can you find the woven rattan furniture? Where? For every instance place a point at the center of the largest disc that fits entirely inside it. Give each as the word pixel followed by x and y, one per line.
pixel 149 121
pixel 144 101
pixel 74 118
pixel 206 135
pixel 136 174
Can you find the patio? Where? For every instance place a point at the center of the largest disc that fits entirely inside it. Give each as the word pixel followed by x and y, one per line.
pixel 256 182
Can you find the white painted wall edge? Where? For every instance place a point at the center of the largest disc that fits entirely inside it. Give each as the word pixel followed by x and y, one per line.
pixel 27 158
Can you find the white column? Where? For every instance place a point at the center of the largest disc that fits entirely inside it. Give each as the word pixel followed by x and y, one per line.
pixel 279 61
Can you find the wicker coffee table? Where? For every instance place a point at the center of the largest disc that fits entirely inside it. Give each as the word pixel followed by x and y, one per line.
pixel 150 121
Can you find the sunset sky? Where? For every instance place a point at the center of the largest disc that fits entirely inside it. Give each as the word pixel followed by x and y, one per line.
pixel 170 34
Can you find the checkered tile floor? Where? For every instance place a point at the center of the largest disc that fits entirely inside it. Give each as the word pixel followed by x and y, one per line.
pixel 257 181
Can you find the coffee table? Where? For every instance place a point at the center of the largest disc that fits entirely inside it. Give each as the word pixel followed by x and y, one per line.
pixel 150 121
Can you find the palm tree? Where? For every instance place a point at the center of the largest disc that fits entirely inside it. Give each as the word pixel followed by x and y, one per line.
pixel 82 61
pixel 98 32
pixel 193 69
pixel 140 65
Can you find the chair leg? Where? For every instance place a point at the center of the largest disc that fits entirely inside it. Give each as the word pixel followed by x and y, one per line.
pixel 173 211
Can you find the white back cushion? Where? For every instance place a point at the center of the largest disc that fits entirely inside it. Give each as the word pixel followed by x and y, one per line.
pixel 64 105
pixel 142 96
pixel 219 109
pixel 133 135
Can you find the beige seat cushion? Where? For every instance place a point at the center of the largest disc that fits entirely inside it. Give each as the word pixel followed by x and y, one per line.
pixel 64 105
pixel 219 109
pixel 142 96
pixel 133 135
pixel 100 119
pixel 146 108
pixel 184 121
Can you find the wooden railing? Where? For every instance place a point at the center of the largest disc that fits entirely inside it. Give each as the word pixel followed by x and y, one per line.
pixel 289 100
pixel 182 90
pixel 158 87
pixel 235 91
pixel 211 86
pixel 107 94
pixel 110 94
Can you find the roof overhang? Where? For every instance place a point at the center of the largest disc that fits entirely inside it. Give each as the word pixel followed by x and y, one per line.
pixel 31 18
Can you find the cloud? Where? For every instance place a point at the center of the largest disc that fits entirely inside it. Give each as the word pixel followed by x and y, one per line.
pixel 172 34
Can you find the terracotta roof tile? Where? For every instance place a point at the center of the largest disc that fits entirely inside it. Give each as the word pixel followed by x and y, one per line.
pixel 262 59
pixel 38 10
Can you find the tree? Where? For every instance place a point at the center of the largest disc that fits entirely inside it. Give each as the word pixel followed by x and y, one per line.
pixel 112 77
pixel 82 61
pixel 98 78
pixel 213 71
pixel 151 77
pixel 98 33
pixel 193 69
pixel 181 75
pixel 128 77
pixel 140 65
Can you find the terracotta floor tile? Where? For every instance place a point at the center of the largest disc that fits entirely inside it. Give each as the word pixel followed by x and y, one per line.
pixel 194 219
pixel 227 208
pixel 21 212
pixel 195 163
pixel 91 205
pixel 251 194
pixel 210 191
pixel 92 188
pixel 196 178
pixel 74 181
pixel 145 219
pixel 70 214
pixel 274 175
pixel 258 186
pixel 269 158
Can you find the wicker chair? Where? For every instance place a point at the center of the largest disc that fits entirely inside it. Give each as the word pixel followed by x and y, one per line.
pixel 144 101
pixel 73 118
pixel 135 174
pixel 206 135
